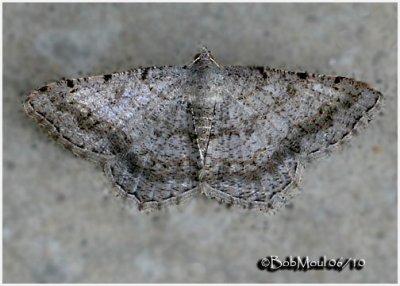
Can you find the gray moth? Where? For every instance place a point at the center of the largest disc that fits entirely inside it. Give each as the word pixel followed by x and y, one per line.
pixel 237 134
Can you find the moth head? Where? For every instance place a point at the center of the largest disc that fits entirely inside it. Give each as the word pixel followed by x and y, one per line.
pixel 204 56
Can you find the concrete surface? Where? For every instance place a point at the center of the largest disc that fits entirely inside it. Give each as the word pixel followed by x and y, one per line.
pixel 60 222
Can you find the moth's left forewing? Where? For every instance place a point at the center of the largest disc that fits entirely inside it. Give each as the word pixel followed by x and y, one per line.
pixel 318 112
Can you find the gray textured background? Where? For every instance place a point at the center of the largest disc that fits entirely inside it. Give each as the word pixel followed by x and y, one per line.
pixel 61 224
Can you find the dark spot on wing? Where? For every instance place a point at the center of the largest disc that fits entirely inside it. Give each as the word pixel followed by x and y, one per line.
pixel 262 72
pixel 43 88
pixel 107 77
pixel 70 83
pixel 302 75
pixel 338 79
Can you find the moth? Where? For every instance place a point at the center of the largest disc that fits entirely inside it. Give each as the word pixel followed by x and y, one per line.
pixel 237 134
